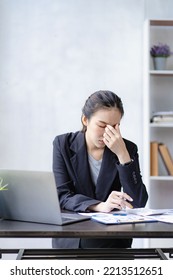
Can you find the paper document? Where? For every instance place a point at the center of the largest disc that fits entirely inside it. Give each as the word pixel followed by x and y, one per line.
pixel 164 218
pixel 147 211
pixel 135 215
pixel 113 219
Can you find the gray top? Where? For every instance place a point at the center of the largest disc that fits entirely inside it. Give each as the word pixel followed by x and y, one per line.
pixel 95 166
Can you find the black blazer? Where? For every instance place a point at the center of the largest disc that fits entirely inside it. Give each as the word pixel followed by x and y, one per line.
pixel 73 179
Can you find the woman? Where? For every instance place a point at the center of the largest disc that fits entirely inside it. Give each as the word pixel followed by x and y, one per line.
pixel 93 165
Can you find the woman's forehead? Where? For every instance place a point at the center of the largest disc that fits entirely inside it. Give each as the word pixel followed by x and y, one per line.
pixel 108 112
pixel 108 116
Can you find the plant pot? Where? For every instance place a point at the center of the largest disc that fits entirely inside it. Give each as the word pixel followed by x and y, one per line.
pixel 159 63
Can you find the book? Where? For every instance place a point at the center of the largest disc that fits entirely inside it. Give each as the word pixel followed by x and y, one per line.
pixel 154 169
pixel 166 157
pixel 162 113
pixel 162 116
pixel 162 119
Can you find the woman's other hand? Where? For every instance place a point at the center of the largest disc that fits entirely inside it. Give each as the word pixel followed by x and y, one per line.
pixel 116 200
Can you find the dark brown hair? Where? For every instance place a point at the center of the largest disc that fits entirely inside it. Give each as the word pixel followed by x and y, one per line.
pixel 99 100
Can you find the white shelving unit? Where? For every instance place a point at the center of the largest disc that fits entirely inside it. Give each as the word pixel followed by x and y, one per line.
pixel 158 96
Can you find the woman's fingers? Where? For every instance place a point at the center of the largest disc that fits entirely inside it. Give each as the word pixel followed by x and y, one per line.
pixel 122 195
pixel 125 196
pixel 120 200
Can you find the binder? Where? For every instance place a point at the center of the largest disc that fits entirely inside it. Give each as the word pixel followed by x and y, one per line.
pixel 154 166
pixel 166 157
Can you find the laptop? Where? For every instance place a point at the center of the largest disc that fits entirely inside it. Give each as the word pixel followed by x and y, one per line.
pixel 31 196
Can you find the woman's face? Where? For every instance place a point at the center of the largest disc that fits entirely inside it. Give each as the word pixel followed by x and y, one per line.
pixel 96 126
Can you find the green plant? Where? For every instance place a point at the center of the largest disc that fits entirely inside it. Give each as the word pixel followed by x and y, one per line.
pixel 3 188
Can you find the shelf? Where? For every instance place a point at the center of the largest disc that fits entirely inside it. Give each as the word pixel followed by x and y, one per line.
pixel 161 125
pixel 161 72
pixel 158 97
pixel 161 178
pixel 165 22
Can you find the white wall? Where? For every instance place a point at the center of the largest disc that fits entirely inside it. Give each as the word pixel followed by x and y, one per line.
pixel 159 9
pixel 53 54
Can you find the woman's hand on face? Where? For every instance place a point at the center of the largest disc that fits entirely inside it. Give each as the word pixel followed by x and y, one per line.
pixel 116 200
pixel 114 141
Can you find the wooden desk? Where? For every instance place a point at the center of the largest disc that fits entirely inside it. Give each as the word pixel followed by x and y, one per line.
pixel 86 229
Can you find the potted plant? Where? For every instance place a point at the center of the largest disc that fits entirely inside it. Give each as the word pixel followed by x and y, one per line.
pixel 3 187
pixel 160 53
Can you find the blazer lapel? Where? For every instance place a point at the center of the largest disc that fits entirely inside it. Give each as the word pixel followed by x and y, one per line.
pixel 81 166
pixel 107 175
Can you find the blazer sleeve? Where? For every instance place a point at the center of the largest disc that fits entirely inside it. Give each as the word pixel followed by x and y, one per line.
pixel 131 180
pixel 65 180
